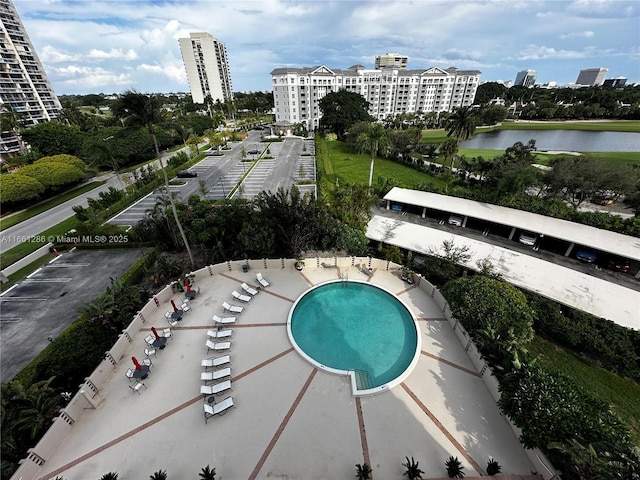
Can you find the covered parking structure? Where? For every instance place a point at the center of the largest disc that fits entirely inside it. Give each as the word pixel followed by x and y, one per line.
pixel 551 234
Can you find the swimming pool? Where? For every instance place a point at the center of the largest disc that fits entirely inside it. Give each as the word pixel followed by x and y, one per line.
pixel 358 329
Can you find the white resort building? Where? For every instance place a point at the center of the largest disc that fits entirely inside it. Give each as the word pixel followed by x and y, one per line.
pixel 389 91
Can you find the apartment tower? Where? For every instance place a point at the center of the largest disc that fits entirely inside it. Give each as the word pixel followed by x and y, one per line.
pixel 591 77
pixel 205 60
pixel 390 90
pixel 394 60
pixel 25 92
pixel 526 78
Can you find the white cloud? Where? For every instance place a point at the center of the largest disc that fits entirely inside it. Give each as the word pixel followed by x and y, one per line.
pixel 113 54
pixel 586 34
pixel 50 54
pixel 86 77
pixel 171 71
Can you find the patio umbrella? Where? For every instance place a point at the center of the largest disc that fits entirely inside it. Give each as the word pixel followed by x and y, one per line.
pixel 153 329
pixel 173 304
pixel 187 285
pixel 136 363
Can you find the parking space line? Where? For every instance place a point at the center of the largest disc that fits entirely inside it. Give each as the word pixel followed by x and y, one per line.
pixel 49 280
pixel 34 272
pixel 20 299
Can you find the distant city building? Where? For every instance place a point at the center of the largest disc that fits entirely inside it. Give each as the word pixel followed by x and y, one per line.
pixel 205 60
pixel 526 78
pixel 615 82
pixel 591 77
pixel 389 91
pixel 394 60
pixel 24 85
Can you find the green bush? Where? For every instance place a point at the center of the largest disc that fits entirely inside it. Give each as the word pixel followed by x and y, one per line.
pixel 53 175
pixel 16 187
pixel 63 158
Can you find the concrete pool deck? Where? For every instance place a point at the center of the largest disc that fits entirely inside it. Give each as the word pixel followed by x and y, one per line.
pixel 290 420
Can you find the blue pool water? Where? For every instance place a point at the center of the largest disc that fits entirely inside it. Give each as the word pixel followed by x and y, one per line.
pixel 353 325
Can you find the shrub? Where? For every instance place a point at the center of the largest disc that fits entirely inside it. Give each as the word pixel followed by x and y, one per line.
pixel 63 158
pixel 16 187
pixel 53 175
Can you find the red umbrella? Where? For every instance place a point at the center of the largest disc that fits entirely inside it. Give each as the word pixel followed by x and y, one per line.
pixel 187 285
pixel 173 304
pixel 153 329
pixel 136 363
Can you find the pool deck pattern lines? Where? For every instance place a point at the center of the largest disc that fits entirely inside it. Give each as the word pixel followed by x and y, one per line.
pixel 442 428
pixel 283 424
pixel 290 420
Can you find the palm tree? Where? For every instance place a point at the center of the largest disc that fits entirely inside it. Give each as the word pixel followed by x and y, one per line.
pixel 374 140
pixel 135 108
pixel 208 473
pixel 461 124
pixel 159 475
pixel 102 153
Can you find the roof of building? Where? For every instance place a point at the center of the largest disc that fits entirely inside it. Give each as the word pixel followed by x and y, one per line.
pixel 604 240
pixel 353 70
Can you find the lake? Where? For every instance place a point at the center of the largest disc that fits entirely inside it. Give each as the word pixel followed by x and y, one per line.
pixel 563 140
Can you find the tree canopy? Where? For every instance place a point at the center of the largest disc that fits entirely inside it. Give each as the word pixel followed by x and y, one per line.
pixel 342 109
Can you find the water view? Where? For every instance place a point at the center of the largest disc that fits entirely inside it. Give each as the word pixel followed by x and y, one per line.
pixel 564 140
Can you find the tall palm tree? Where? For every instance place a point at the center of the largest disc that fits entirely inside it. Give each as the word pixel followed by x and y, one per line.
pixel 135 108
pixel 461 124
pixel 374 140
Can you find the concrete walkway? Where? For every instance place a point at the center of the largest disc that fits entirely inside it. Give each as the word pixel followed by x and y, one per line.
pixel 290 420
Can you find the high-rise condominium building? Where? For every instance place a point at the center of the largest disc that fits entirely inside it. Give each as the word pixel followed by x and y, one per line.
pixel 615 82
pixel 25 92
pixel 389 91
pixel 205 60
pixel 591 76
pixel 394 60
pixel 526 78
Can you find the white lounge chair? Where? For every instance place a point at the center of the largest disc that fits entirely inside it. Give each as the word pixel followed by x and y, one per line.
pixel 232 308
pixel 216 362
pixel 216 389
pixel 129 374
pixel 219 333
pixel 217 346
pixel 224 320
pixel 219 408
pixel 167 333
pixel 149 339
pixel 248 289
pixel 261 280
pixel 239 296
pixel 215 375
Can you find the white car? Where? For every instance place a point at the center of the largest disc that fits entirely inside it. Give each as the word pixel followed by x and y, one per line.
pixel 455 220
pixel 528 239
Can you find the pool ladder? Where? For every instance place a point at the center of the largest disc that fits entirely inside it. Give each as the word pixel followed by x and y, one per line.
pixel 345 280
pixel 363 379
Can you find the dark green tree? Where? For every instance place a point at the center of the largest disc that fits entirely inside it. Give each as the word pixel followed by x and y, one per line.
pixel 461 124
pixel 342 109
pixel 374 140
pixel 52 138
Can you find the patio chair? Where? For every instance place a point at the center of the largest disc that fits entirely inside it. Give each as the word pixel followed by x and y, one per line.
pixel 219 408
pixel 136 387
pixel 149 339
pixel 147 361
pixel 239 296
pixel 150 351
pixel 167 333
pixel 219 333
pixel 261 280
pixel 217 347
pixel 172 322
pixel 224 320
pixel 185 307
pixel 215 375
pixel 232 308
pixel 216 389
pixel 216 362
pixel 129 374
pixel 249 290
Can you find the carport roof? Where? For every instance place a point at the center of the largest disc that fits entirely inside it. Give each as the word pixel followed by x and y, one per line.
pixel 603 240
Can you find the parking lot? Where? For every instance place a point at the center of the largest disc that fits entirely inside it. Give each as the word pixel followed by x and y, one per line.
pixel 267 166
pixel 43 304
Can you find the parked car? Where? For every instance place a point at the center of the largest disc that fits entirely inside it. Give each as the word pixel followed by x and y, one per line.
pixel 618 264
pixel 586 256
pixel 186 174
pixel 455 220
pixel 528 239
pixel 253 152
pixel 602 199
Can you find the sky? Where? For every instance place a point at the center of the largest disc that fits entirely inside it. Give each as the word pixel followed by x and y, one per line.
pixel 109 46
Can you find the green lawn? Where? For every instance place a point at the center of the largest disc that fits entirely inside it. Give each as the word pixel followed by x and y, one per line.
pixel 352 167
pixel 14 219
pixel 622 394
